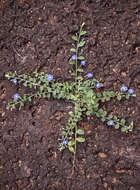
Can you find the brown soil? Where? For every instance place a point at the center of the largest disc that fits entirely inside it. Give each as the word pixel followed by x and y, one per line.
pixel 37 34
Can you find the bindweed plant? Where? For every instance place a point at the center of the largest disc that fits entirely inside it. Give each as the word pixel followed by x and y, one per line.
pixel 86 93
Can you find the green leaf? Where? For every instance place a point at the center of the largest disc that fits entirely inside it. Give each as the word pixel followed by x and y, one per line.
pixel 80 139
pixel 73 74
pixel 73 50
pixel 89 93
pixel 80 132
pixel 71 143
pixel 127 96
pixel 80 70
pixel 115 118
pixel 13 106
pixel 132 123
pixel 131 126
pixel 117 126
pixel 41 88
pixel 71 149
pixel 72 62
pixel 25 84
pixel 75 38
pixel 104 113
pixel 107 98
pixel 99 94
pixel 123 121
pixel 83 33
pixel 81 57
pixel 119 97
pixel 97 114
pixel 30 85
pixel 123 129
pixel 110 116
pixel 79 78
pixel 21 104
pixel 103 119
pixel 29 99
pixel 81 44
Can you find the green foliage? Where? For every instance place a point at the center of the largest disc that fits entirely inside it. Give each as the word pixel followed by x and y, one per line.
pixel 82 93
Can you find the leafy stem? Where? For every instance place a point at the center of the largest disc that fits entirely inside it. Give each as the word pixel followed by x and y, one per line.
pixel 77 48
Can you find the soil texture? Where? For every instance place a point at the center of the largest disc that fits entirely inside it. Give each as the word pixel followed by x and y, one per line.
pixel 36 34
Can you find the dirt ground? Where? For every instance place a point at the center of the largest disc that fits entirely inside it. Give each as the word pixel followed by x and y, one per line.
pixel 37 34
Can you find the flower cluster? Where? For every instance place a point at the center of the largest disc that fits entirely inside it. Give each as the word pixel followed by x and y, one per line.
pixel 50 77
pixel 14 81
pixel 89 75
pixel 16 96
pixel 83 63
pixel 125 89
pixel 74 57
pixel 110 123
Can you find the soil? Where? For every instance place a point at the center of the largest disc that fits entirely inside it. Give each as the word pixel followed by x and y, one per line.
pixel 37 34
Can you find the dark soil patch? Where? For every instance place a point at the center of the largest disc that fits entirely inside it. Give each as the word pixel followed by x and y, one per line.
pixel 37 34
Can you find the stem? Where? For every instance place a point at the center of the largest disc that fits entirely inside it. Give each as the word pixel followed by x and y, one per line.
pixel 77 48
pixel 75 145
pixel 77 84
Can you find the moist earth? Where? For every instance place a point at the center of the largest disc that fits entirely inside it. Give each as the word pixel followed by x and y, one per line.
pixel 36 34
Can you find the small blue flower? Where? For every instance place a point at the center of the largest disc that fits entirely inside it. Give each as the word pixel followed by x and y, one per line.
pixel 131 91
pixel 16 96
pixel 89 75
pixel 124 88
pixel 110 123
pixel 74 57
pixel 65 142
pixel 83 62
pixel 98 85
pixel 14 81
pixel 50 77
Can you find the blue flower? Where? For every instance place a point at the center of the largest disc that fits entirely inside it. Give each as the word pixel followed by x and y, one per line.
pixel 83 62
pixel 110 123
pixel 89 75
pixel 14 81
pixel 98 85
pixel 131 91
pixel 50 77
pixel 16 96
pixel 65 142
pixel 124 88
pixel 74 57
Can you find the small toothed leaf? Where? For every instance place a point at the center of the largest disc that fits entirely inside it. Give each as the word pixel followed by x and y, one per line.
pixel 123 129
pixel 73 74
pixel 72 62
pixel 123 121
pixel 117 126
pixel 71 149
pixel 80 132
pixel 80 139
pixel 81 58
pixel 81 44
pixel 127 96
pixel 80 70
pixel 71 143
pixel 73 50
pixel 83 33
pixel 119 97
pixel 75 38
